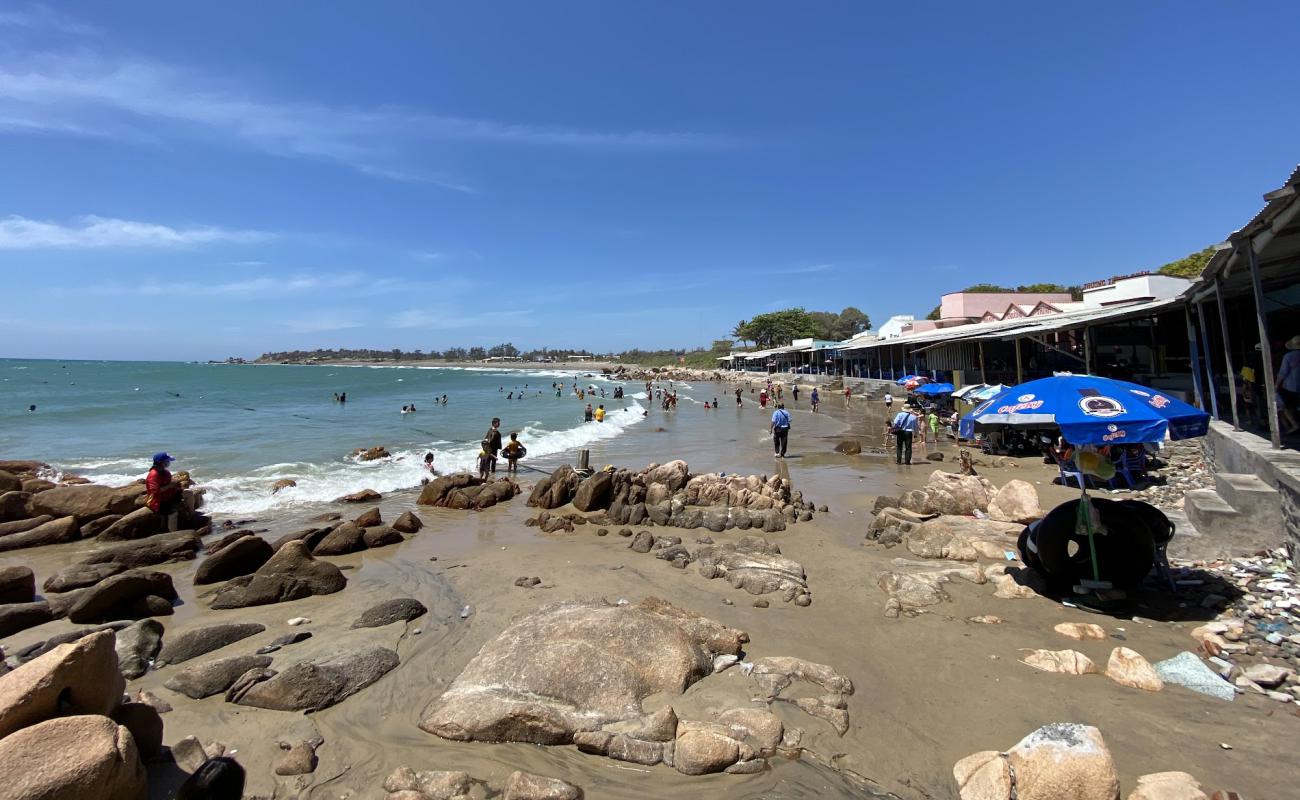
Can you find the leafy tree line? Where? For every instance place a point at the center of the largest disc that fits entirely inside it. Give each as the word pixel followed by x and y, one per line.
pixel 779 327
pixel 505 349
pixel 1190 266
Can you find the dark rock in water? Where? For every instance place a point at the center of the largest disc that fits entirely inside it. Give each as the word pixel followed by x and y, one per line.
pixel 138 524
pixel 934 456
pixel 216 546
pixel 595 493
pixel 346 538
pixel 20 525
pixel 241 557
pixel 213 677
pixel 408 523
pixel 79 576
pixel 625 532
pixel 298 759
pixel 602 531
pixel 145 725
pixel 329 516
pixel 401 609
pixel 885 501
pixel 15 617
pixel 363 496
pixel 291 574
pixel 152 606
pixel 93 528
pixel 823 509
pixel 381 536
pixel 160 549
pixel 310 537
pixel 849 447
pixel 805 516
pixel 86 502
pixel 118 597
pixel 17 585
pixel 199 641
pixel 291 638
pixel 137 645
pixel 368 519
pixel 313 685
pixel 57 531
pixel 216 779
pixel 10 482
pixel 527 583
pixel 565 669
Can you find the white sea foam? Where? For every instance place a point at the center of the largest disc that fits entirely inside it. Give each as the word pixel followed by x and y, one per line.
pixel 250 493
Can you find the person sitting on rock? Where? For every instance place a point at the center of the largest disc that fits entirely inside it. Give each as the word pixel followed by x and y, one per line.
pixel 164 497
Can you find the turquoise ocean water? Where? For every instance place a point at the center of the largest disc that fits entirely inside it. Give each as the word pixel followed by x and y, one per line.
pixel 239 428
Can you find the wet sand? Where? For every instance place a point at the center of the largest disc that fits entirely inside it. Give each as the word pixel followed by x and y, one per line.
pixel 930 689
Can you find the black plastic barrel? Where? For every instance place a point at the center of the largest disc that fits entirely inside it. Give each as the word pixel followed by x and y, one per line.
pixel 1125 551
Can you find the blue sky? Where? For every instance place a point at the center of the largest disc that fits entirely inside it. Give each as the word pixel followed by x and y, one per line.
pixel 199 180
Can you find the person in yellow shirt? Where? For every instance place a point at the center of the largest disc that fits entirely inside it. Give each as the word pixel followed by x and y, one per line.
pixel 600 413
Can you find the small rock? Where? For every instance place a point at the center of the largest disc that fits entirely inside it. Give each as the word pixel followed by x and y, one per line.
pixel 298 758
pixel 760 603
pixel 527 786
pixel 1128 668
pixel 1081 630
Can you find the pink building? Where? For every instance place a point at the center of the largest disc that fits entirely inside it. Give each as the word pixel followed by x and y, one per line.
pixel 974 305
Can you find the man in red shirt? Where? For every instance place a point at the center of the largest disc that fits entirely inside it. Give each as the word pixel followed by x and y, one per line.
pixel 164 497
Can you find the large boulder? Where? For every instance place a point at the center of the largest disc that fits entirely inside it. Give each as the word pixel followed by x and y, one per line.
pixel 161 549
pixel 137 646
pixel 10 482
pixel 291 574
pixel 556 489
pixel 17 584
pixel 1168 786
pixel 13 506
pixel 77 678
pixel 123 597
pixel 527 786
pixel 313 685
pixel 1060 761
pixel 755 565
pixel 673 475
pixel 56 531
pixel 565 668
pixel 962 538
pixel 87 757
pixel 408 522
pixel 380 536
pixel 213 677
pixel 950 493
pixel 346 538
pixel 595 493
pixel 241 557
pixel 435 491
pixel 199 641
pixel 401 609
pixel 20 525
pixel 1015 502
pixel 138 524
pixel 15 617
pixel 86 502
pixel 79 576
pixel 1128 668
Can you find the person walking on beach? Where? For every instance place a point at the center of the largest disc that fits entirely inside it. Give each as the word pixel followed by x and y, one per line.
pixel 1288 385
pixel 163 496
pixel 903 427
pixel 795 392
pixel 889 401
pixel 762 399
pixel 815 399
pixel 848 395
pixel 780 429
pixel 492 442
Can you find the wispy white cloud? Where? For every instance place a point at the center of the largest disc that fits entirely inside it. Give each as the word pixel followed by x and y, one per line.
pixel 42 17
pixel 91 232
pixel 437 319
pixel 86 95
pixel 262 286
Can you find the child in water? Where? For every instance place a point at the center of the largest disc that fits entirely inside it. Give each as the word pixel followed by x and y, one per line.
pixel 513 451
pixel 484 463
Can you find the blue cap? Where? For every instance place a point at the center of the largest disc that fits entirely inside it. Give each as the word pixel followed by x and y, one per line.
pixel 161 457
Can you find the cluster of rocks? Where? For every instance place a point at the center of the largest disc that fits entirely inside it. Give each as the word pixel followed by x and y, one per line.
pixel 464 491
pixel 657 374
pixel 1255 640
pixel 371 453
pixel 35 511
pixel 753 563
pixel 956 520
pixel 336 537
pixel 1125 666
pixel 67 730
pixel 667 494
pixel 1063 759
pixel 407 784
pixel 554 523
pixel 1185 469
pixel 562 676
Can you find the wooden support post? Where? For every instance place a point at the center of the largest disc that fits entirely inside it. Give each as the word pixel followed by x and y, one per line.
pixel 1087 352
pixel 984 378
pixel 1020 372
pixel 1209 361
pixel 1266 348
pixel 1228 371
pixel 1196 359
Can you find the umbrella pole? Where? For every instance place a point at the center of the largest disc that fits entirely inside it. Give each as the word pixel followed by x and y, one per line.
pixel 1085 505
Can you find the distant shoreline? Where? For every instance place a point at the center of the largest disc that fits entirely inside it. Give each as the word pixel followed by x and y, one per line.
pixel 574 366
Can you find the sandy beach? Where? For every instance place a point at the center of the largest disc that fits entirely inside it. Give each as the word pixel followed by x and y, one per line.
pixel 931 688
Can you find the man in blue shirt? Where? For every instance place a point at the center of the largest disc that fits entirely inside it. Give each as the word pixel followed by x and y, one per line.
pixel 903 427
pixel 780 429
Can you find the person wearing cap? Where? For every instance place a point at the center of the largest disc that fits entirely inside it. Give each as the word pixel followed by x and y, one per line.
pixel 903 427
pixel 780 429
pixel 1288 385
pixel 164 497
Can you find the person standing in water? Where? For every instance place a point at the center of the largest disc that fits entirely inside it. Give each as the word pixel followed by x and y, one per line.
pixel 513 452
pixel 163 496
pixel 600 413
pixel 780 429
pixel 903 427
pixel 815 399
pixel 739 392
pixel 492 442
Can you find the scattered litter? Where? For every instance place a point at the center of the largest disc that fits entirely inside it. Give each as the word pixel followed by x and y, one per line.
pixel 465 612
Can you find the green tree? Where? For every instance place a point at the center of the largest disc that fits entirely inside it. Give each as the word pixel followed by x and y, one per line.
pixel 779 327
pixel 738 332
pixel 824 323
pixel 851 322
pixel 722 345
pixel 1189 266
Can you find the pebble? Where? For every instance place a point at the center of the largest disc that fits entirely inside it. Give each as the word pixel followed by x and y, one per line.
pixel 299 621
pixel 465 612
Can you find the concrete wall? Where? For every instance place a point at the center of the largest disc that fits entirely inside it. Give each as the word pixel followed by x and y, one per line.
pixel 1228 450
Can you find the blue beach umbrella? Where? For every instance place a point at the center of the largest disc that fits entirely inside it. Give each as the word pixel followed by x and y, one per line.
pixel 935 388
pixel 906 378
pixel 986 392
pixel 1089 411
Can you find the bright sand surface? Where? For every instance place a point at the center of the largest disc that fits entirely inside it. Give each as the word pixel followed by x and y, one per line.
pixel 931 689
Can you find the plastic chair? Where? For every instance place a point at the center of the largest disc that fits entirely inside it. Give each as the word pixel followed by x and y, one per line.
pixel 1132 468
pixel 1068 471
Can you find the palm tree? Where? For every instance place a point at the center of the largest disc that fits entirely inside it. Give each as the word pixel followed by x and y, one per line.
pixel 739 332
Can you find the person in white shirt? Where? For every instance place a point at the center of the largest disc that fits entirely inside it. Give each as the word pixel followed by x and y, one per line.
pixel 889 401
